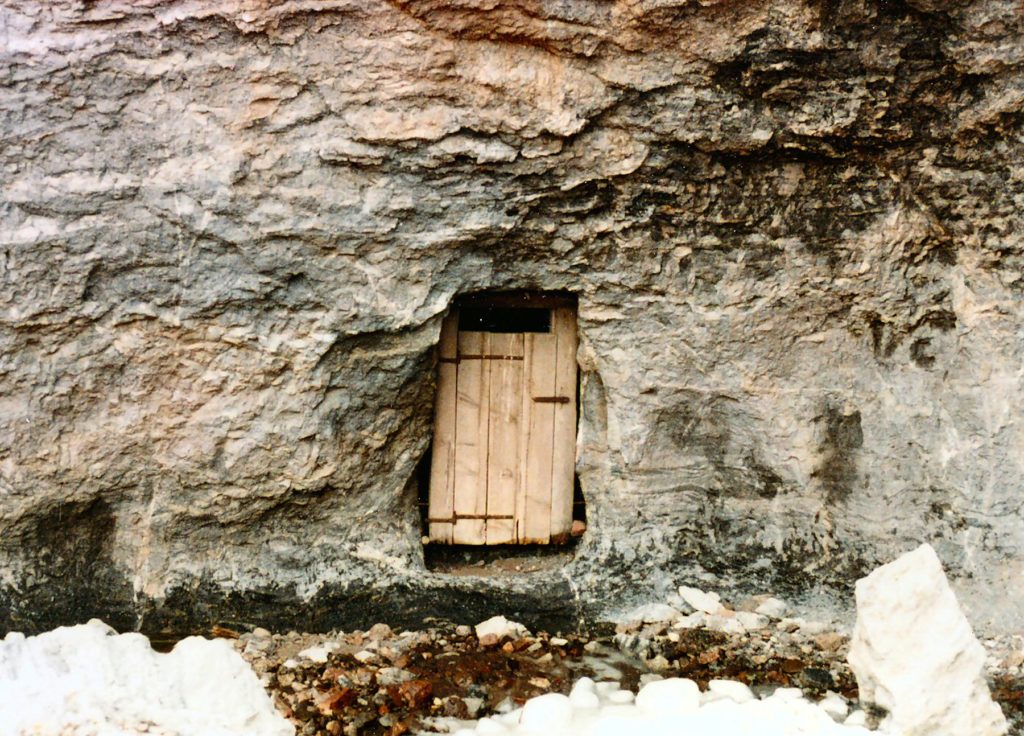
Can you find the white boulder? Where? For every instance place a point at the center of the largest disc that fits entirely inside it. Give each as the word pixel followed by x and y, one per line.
pixel 914 653
pixel 90 680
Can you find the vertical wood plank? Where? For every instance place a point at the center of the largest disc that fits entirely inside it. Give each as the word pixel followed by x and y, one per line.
pixel 471 428
pixel 441 500
pixel 525 420
pixel 563 471
pixel 505 409
pixel 535 527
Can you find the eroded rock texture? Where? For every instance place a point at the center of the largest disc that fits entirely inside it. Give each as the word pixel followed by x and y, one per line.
pixel 231 228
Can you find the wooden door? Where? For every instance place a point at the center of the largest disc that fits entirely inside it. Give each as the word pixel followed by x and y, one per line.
pixel 504 453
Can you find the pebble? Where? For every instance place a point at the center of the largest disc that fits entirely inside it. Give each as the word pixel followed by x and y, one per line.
pixel 752 621
pixel 830 641
pixel 772 608
pixel 500 627
pixel 699 600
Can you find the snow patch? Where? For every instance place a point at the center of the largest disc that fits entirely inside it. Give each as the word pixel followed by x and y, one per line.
pixel 662 708
pixel 88 680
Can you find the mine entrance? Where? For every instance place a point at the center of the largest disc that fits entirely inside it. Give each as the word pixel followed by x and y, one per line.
pixel 502 465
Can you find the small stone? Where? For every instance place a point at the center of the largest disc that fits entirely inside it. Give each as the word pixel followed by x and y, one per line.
pixel 364 656
pixel 412 694
pixel 701 601
pixel 393 676
pixel 658 664
pixel 790 624
pixel 813 628
pixel 501 627
pixel 772 608
pixel 260 633
pixel 336 699
pixel 319 654
pixel 558 641
pixel 752 621
pixel 696 620
pixel 830 641
pixel 725 625
pixel 379 632
pixel 650 613
pixel 463 631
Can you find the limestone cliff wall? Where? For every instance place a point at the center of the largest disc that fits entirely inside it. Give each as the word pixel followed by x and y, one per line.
pixel 229 231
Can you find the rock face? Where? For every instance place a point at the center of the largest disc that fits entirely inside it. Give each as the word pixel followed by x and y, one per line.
pixel 89 680
pixel 914 653
pixel 230 231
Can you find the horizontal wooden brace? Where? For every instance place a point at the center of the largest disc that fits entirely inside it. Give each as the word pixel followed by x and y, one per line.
pixel 552 399
pixel 488 357
pixel 459 517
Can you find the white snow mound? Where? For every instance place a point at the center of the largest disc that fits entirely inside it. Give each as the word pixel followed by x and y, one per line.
pixel 673 707
pixel 90 681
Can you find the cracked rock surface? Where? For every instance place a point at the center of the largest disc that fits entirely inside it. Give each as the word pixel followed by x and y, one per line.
pixel 229 231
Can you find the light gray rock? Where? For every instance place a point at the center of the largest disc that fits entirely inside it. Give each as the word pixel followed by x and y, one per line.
pixel 229 231
pixel 751 621
pixel 500 627
pixel 772 608
pixel 709 603
pixel 650 613
pixel 914 654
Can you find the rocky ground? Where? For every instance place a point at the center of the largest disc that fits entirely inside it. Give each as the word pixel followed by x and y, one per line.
pixel 386 682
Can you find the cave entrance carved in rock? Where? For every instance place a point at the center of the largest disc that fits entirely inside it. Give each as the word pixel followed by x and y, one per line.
pixel 502 468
